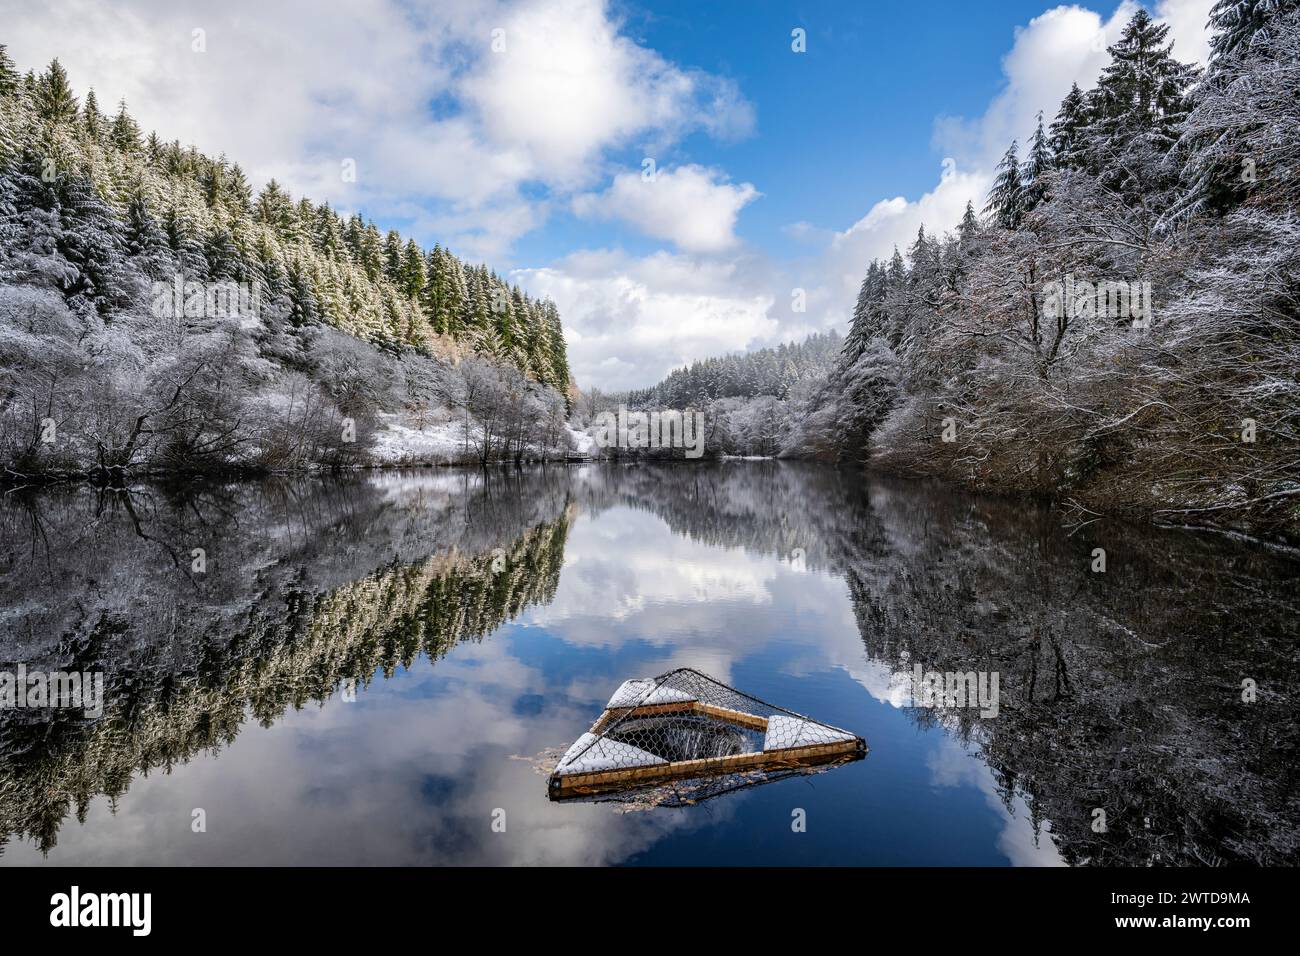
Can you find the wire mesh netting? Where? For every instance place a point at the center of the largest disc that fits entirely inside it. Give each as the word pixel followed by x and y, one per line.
pixel 685 731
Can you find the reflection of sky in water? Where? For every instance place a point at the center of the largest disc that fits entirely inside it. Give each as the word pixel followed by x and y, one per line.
pixel 413 771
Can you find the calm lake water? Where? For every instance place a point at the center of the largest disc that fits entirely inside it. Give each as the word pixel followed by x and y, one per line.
pixel 485 620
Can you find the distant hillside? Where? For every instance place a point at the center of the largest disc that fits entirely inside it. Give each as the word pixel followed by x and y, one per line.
pixel 773 371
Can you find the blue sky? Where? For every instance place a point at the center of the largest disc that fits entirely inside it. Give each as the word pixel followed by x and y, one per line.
pixel 515 131
pixel 837 128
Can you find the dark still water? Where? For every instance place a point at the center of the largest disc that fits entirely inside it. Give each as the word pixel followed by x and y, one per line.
pixel 485 621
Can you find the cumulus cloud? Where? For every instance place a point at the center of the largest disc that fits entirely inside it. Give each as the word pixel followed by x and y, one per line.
pixel 479 113
pixel 629 320
pixel 1187 20
pixel 563 84
pixel 693 207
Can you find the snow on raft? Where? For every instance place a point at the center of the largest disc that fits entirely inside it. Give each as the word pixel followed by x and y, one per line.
pixel 684 726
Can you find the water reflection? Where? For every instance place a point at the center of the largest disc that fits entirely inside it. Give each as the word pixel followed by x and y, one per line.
pixel 484 618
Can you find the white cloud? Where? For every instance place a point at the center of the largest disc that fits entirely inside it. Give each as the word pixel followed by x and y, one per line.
pixel 565 85
pixel 1187 21
pixel 629 321
pixel 693 207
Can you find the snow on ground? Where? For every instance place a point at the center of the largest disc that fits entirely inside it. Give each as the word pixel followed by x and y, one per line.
pixel 583 443
pixel 440 442
pixel 397 443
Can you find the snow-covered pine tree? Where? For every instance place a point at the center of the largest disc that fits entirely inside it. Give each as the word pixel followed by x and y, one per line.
pixel 327 233
pixel 555 347
pixel 54 98
pixel 267 263
pixel 124 134
pixel 91 241
pixel 411 274
pixel 1068 129
pixel 144 239
pixel 1006 197
pixel 372 252
pixel 185 240
pixel 393 256
pixel 1038 163
pixel 1237 24
pixel 1226 147
pixel 969 227
pixel 456 295
pixel 303 309
pixel 273 207
pixel 238 196
pixel 1139 105
pixel 860 332
pixel 92 119
pixel 9 79
pixel 1236 139
pixel 221 254
pixel 503 319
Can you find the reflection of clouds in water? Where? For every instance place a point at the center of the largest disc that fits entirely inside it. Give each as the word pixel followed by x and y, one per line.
pixel 953 765
pixel 625 560
pixel 882 682
pixel 615 570
pixel 396 778
pixel 629 577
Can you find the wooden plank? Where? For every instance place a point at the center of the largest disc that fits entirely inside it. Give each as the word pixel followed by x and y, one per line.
pixel 644 710
pixel 740 718
pixel 599 781
pixel 752 721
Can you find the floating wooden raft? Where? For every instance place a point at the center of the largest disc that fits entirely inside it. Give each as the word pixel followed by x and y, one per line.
pixel 684 725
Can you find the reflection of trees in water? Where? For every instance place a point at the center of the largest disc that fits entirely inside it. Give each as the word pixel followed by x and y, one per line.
pixel 1119 691
pixel 308 585
pixel 765 507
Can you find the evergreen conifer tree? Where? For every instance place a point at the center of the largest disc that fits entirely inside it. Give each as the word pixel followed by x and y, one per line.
pixel 1006 198
pixel 54 98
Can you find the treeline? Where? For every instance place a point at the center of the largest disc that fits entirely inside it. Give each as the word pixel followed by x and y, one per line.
pixel 772 371
pixel 750 401
pixel 1122 324
pixel 114 248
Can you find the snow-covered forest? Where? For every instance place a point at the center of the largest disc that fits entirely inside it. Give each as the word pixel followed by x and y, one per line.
pixel 750 401
pixel 120 258
pixel 1121 324
pixel 775 371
